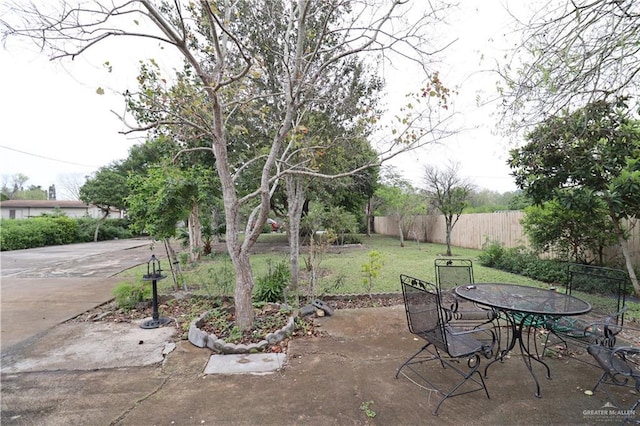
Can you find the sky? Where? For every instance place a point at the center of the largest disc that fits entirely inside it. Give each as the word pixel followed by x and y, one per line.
pixel 56 127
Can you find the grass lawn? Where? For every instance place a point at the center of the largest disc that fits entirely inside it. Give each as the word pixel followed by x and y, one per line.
pixel 342 273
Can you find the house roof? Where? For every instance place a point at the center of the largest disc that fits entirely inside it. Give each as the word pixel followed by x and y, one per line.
pixel 68 204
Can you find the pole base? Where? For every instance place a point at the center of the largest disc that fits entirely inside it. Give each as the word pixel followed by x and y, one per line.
pixel 152 323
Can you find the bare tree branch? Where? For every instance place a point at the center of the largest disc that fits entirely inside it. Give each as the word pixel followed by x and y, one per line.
pixel 572 54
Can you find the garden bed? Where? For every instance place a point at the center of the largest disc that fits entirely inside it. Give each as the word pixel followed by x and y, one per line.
pixel 184 309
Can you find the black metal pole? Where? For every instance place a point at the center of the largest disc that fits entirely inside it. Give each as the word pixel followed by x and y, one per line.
pixel 154 274
pixel 156 315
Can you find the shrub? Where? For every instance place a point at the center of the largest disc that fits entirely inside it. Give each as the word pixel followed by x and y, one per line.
pixel 15 237
pixel 37 232
pixel 371 269
pixel 86 228
pixel 113 229
pixel 270 288
pixel 492 254
pixel 519 260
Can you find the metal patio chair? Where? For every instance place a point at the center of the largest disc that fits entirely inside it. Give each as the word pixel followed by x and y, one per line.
pixel 445 344
pixel 603 330
pixel 621 368
pixel 451 273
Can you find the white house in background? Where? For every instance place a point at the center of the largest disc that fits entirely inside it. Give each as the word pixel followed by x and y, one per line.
pixel 23 209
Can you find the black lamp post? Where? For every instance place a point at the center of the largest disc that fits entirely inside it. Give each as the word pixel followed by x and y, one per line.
pixel 154 274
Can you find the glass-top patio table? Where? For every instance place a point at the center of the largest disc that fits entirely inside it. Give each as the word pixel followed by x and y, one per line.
pixel 523 308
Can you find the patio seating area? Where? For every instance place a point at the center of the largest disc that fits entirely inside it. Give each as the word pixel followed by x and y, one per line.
pixel 522 318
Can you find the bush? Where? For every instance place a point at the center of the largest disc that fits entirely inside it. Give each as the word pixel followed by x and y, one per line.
pixel 19 234
pixel 50 230
pixel 37 232
pixel 114 229
pixel 111 229
pixel 520 261
pixel 270 288
pixel 492 254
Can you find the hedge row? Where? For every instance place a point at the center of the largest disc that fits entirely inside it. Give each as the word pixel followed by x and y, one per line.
pixel 17 234
pixel 520 261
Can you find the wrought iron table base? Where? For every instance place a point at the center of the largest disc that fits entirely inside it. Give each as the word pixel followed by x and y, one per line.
pixel 516 328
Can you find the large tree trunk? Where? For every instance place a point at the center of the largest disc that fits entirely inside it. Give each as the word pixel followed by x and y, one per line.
pixel 370 217
pixel 448 234
pixel 239 252
pixel 195 233
pixel 295 201
pixel 624 245
pixel 244 290
pixel 400 232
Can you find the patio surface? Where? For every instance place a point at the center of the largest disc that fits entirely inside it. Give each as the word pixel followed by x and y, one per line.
pixel 325 380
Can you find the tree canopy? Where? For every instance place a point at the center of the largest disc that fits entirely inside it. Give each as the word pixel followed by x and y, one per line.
pixel 572 54
pixel 583 159
pixel 106 189
pixel 252 73
pixel 448 193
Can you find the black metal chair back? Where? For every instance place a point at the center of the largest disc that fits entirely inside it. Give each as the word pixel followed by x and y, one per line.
pixel 598 279
pixel 425 318
pixel 601 331
pixel 453 272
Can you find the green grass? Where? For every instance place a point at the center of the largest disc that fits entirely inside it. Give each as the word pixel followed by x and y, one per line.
pixel 344 265
pixel 415 259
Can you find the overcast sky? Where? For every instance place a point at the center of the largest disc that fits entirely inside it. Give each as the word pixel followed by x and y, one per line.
pixel 54 124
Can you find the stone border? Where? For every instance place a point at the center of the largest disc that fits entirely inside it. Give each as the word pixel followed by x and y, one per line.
pixel 201 339
pixel 347 296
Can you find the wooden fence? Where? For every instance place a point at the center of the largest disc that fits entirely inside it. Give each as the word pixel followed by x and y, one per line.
pixel 473 230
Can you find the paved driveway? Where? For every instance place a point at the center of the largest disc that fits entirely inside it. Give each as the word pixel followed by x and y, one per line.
pixel 42 287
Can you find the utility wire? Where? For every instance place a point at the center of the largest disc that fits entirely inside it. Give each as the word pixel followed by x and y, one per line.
pixel 48 158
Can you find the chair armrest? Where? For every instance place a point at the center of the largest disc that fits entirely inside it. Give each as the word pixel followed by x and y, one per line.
pixel 606 327
pixel 626 350
pixel 454 331
pixel 612 319
pixel 625 361
pixel 462 309
pixel 485 335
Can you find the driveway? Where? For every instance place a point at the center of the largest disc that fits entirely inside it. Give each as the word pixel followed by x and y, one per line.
pixel 43 287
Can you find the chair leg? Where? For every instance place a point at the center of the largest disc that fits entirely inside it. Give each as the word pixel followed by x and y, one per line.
pixel 411 358
pixel 607 380
pixel 546 342
pixel 632 412
pixel 465 377
pixel 602 379
pixel 419 379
